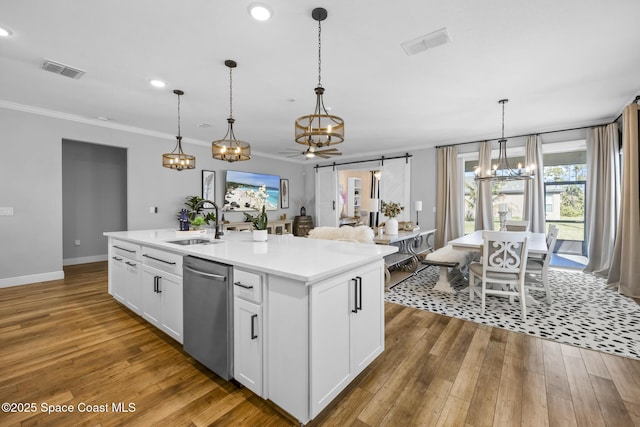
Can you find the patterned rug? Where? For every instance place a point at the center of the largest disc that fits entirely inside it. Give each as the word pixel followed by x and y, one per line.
pixel 583 313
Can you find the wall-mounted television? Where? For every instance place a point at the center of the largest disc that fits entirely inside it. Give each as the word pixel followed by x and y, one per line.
pixel 240 185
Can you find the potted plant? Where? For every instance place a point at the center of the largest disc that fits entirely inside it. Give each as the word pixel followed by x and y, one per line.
pixel 391 210
pixel 259 221
pixel 195 215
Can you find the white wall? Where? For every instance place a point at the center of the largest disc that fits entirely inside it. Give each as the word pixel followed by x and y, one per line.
pixel 31 183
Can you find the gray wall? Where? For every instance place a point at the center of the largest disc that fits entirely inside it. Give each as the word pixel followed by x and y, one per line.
pixel 94 198
pixel 31 241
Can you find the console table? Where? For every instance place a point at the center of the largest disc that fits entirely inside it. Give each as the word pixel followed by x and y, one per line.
pixel 413 247
pixel 279 226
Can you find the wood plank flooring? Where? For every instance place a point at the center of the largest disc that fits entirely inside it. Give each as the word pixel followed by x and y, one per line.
pixel 68 342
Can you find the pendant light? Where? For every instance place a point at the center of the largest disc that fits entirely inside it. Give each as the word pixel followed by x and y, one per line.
pixel 177 159
pixel 319 129
pixel 229 148
pixel 502 171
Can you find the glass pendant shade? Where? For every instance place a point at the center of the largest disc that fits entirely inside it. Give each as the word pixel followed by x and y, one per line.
pixel 178 159
pixel 229 148
pixel 319 129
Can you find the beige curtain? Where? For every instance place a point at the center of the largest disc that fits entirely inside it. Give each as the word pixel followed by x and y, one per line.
pixel 449 201
pixel 534 203
pixel 603 196
pixel 484 204
pixel 624 274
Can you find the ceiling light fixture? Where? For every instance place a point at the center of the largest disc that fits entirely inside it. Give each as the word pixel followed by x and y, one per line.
pixel 319 129
pixel 502 171
pixel 260 11
pixel 4 32
pixel 177 159
pixel 229 148
pixel 157 83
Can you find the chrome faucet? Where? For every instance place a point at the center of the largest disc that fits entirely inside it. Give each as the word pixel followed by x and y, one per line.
pixel 218 229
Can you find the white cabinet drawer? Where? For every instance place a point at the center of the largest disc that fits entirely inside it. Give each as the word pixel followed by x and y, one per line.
pixel 126 249
pixel 162 260
pixel 247 285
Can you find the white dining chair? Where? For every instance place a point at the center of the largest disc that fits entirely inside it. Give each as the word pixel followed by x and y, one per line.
pixel 537 268
pixel 513 225
pixel 502 270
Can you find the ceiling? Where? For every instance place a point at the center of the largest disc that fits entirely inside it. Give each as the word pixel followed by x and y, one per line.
pixel 562 64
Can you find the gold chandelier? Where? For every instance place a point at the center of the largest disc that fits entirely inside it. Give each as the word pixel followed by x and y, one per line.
pixel 319 129
pixel 229 148
pixel 502 171
pixel 177 159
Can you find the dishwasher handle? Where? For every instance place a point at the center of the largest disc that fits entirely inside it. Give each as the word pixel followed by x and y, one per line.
pixel 210 275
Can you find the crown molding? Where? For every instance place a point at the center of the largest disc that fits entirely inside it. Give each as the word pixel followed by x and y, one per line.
pixel 93 122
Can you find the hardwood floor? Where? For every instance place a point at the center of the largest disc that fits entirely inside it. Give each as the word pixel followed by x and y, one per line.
pixel 68 342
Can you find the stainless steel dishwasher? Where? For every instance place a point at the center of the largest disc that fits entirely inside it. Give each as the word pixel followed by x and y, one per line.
pixel 208 314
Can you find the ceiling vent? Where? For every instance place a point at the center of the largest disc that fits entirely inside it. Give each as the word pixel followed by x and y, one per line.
pixel 65 70
pixel 429 41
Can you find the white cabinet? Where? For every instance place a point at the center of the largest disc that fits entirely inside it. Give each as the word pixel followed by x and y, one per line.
pixel 346 332
pixel 162 291
pixel 354 196
pixel 323 334
pixel 248 333
pixel 125 274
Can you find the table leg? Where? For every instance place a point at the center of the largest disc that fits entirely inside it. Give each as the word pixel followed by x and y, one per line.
pixel 443 283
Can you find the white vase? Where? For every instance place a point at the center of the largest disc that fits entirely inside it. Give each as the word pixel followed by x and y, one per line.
pixel 391 226
pixel 259 235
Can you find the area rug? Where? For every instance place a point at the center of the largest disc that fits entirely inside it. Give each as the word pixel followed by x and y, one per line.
pixel 583 313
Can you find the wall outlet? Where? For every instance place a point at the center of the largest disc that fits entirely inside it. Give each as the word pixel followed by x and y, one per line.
pixel 6 211
pixel 77 242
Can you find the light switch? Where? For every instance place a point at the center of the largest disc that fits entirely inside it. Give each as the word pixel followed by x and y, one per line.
pixel 6 211
pixel 77 242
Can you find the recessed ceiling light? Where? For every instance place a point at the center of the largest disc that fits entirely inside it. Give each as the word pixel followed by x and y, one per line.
pixel 103 118
pixel 260 11
pixel 204 125
pixel 4 32
pixel 157 83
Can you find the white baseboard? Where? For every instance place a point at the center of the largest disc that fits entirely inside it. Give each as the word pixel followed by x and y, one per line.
pixel 84 259
pixel 32 278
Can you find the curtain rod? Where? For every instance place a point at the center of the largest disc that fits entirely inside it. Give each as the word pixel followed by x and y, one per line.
pixel 382 159
pixel 637 98
pixel 520 136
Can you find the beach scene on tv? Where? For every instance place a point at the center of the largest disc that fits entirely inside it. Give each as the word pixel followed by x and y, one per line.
pixel 248 191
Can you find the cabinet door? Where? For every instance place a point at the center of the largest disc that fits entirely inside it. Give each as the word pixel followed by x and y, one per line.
pixel 118 276
pixel 330 361
pixel 170 289
pixel 151 298
pixel 133 285
pixel 367 323
pixel 248 339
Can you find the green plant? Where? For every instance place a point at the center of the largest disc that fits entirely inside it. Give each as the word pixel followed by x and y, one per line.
pixel 259 220
pixel 391 209
pixel 195 212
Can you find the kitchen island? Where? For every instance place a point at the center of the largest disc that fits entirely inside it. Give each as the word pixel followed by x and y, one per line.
pixel 311 319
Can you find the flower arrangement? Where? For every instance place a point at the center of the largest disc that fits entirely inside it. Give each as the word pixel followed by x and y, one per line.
pixel 391 209
pixel 258 202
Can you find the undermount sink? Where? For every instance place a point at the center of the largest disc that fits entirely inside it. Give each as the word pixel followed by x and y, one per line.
pixel 188 242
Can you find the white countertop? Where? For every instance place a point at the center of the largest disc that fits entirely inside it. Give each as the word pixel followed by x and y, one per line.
pixel 298 258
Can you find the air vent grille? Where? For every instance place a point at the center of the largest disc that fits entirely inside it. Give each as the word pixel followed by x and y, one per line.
pixel 429 41
pixel 64 70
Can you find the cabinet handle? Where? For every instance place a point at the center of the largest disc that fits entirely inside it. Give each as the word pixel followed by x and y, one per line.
pixel 359 306
pixel 158 259
pixel 124 249
pixel 158 284
pixel 355 295
pixel 243 285
pixel 155 284
pixel 334 205
pixel 202 273
pixel 116 258
pixel 132 264
pixel 253 326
